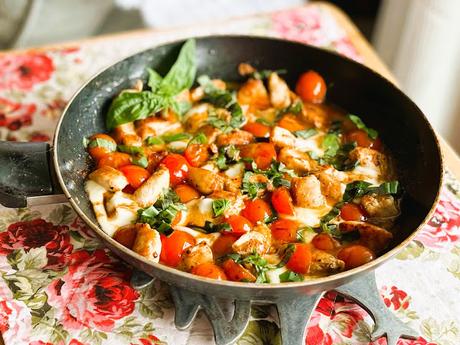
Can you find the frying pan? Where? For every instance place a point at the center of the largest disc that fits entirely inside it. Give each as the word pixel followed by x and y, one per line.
pixel 30 170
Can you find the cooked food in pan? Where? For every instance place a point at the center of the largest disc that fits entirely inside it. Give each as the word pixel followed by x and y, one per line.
pixel 250 181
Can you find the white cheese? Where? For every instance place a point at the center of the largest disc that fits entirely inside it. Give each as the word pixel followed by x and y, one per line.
pixel 273 276
pixel 309 216
pixel 236 170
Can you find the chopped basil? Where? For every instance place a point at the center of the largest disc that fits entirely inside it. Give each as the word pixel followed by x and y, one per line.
pixel 259 264
pixel 290 276
pixel 355 189
pixel 227 155
pixel 209 227
pixel 100 142
pixel 135 105
pixel 275 173
pixel 132 150
pixel 169 138
pixel 161 214
pixel 294 108
pixel 154 141
pixel 264 122
pixel 141 160
pixel 331 144
pixel 306 133
pixel 219 206
pixel 251 189
pixel 290 249
pixel 372 133
pixel 391 187
pixel 334 212
pixel 199 138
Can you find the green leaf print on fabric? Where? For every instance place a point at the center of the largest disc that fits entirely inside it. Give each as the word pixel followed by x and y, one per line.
pixel 440 332
pixel 62 214
pixel 91 336
pixel 154 300
pixel 261 332
pixel 412 251
pixel 18 215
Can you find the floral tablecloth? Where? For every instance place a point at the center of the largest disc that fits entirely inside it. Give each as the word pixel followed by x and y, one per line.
pixel 60 286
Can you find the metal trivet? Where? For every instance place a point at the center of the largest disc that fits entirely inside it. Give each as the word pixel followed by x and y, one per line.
pixel 294 313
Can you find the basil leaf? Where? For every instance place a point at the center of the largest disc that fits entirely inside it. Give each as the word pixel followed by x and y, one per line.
pixel 290 276
pixel 182 74
pixel 355 189
pixel 227 155
pixel 154 141
pixel 391 187
pixel 182 107
pixel 131 149
pixel 372 133
pixel 290 249
pixel 99 142
pixel 154 80
pixel 130 106
pixel 219 206
pixel 169 138
pixel 251 189
pixel 264 122
pixel 331 144
pixel 142 161
pixel 199 138
pixel 334 212
pixel 306 133
pixel 221 227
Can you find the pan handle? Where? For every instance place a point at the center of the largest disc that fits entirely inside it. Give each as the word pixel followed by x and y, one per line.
pixel 27 175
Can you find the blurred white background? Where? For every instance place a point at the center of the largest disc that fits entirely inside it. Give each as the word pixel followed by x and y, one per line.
pixel 418 39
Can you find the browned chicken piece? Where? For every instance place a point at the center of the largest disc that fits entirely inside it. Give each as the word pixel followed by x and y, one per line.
pixel 325 263
pixel 371 236
pixel 235 198
pixel 205 181
pixel 126 134
pixel 331 183
pixel 307 192
pixel 110 178
pixel 147 242
pixel 279 91
pixel 254 94
pixel 236 137
pixel 232 185
pixel 196 117
pixel 195 255
pixel 250 243
pixel 380 205
pixel 210 132
pixel 151 190
pixel 267 233
pixel 376 161
pixel 282 137
pixel 155 126
pixel 245 69
pixel 316 115
pixel 299 161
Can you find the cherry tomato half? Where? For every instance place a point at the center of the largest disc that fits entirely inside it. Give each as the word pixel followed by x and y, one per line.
pixel 115 160
pixel 223 245
pixel 239 224
pixel 362 139
pixel 209 270
pixel 126 235
pixel 324 242
pixel 300 260
pixel 135 175
pixel 196 154
pixel 186 193
pixel 311 87
pixel 236 272
pixel 291 123
pixel 284 230
pixel 173 247
pixel 97 152
pixel 351 211
pixel 256 210
pixel 282 201
pixel 261 153
pixel 259 130
pixel 355 255
pixel 177 166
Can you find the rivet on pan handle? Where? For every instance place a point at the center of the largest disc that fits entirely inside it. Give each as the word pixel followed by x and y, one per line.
pixel 225 331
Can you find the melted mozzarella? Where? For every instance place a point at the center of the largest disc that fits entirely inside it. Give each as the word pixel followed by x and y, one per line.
pixel 368 174
pixel 309 216
pixel 312 144
pixel 236 170
pixel 199 236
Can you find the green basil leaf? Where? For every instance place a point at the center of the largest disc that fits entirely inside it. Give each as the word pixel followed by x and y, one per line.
pixel 99 142
pixel 169 138
pixel 221 227
pixel 129 106
pixel 264 122
pixel 154 79
pixel 391 187
pixel 131 149
pixel 290 249
pixel 355 189
pixel 331 144
pixel 182 74
pixel 372 133
pixel 199 138
pixel 182 107
pixel 306 133
pixel 290 276
pixel 154 141
pixel 142 161
pixel 219 206
pixel 251 189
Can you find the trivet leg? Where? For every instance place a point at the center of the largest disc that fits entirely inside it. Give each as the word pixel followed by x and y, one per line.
pixel 294 314
pixel 365 292
pixel 225 331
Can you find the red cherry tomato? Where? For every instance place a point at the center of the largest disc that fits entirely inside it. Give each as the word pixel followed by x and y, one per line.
pixel 115 160
pixel 236 272
pixel 135 175
pixel 351 211
pixel 355 255
pixel 261 153
pixel 282 201
pixel 291 123
pixel 284 230
pixel 362 139
pixel 223 245
pixel 259 130
pixel 324 242
pixel 256 210
pixel 174 245
pixel 97 152
pixel 196 154
pixel 186 193
pixel 311 87
pixel 177 166
pixel 239 224
pixel 209 270
pixel 300 260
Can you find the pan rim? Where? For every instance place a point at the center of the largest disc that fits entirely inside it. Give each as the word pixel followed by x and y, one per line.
pixel 313 283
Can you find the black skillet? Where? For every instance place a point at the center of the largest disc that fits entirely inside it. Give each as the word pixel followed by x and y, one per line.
pixel 27 169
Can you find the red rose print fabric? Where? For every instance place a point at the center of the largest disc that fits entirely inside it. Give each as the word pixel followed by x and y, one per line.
pixel 60 286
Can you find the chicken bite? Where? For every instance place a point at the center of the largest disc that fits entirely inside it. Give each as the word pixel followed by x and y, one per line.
pixel 307 192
